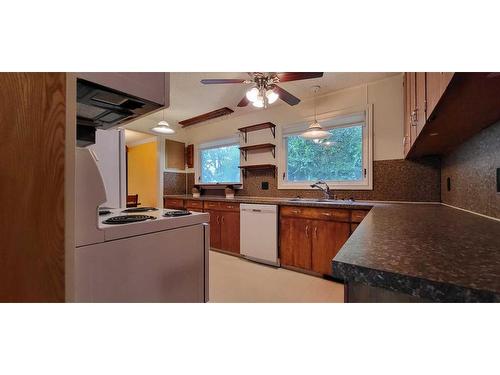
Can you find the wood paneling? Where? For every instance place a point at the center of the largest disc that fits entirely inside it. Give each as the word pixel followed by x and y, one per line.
pixel 32 145
pixel 420 109
pixel 433 90
pixel 175 154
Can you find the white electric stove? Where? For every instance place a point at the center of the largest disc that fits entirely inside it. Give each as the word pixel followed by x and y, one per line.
pixel 117 259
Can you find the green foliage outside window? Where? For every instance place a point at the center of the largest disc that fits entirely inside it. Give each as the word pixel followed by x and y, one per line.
pixel 220 164
pixel 342 160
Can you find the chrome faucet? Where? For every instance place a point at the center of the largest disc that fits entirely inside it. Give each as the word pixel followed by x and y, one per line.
pixel 325 190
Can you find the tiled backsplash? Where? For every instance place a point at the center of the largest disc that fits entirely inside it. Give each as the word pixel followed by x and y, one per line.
pixel 472 172
pixel 394 180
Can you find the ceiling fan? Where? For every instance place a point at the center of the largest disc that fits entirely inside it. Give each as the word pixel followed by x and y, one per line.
pixel 265 88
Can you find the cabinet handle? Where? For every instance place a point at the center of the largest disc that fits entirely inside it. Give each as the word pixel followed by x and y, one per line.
pixel 222 219
pixel 296 211
pixel 307 231
pixel 326 214
pixel 218 219
pixel 414 117
pixel 316 232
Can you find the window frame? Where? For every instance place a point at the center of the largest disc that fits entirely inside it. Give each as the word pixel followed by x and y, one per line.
pixel 366 183
pixel 225 142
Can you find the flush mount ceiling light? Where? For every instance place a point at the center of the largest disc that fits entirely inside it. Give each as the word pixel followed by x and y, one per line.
pixel 315 132
pixel 163 127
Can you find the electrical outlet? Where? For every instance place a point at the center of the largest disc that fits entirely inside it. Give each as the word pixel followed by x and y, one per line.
pixel 264 185
pixel 448 183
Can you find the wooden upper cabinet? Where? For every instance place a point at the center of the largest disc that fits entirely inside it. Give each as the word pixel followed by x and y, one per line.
pixel 420 109
pixel 295 242
pixel 433 91
pixel 327 239
pixel 445 80
pixel 407 113
pixel 436 84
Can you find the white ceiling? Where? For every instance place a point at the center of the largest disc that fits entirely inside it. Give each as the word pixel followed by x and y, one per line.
pixel 189 98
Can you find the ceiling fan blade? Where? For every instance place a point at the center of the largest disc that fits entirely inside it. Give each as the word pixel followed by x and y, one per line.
pixel 243 102
pixel 221 81
pixel 286 77
pixel 286 96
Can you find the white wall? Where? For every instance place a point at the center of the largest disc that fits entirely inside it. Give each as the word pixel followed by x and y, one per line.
pixel 385 95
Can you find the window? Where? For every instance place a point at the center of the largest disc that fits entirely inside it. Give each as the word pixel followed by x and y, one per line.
pixel 219 164
pixel 342 160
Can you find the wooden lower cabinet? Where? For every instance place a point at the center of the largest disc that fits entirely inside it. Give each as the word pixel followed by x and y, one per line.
pixel 311 242
pixel 230 231
pixel 295 242
pixel 224 225
pixel 327 239
pixel 215 229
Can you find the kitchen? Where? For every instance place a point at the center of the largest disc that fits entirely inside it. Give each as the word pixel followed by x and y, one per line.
pixel 355 188
pixel 242 187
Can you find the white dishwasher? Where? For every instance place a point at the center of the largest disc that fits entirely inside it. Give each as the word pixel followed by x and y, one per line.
pixel 259 232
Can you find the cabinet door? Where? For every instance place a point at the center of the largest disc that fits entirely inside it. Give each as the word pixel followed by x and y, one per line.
pixel 407 114
pixel 412 93
pixel 230 231
pixel 420 110
pixel 433 90
pixel 215 228
pixel 327 239
pixel 445 80
pixel 295 242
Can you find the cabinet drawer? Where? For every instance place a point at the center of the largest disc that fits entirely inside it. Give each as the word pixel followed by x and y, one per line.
pixel 316 213
pixel 211 205
pixel 358 215
pixel 194 204
pixel 174 203
pixel 225 206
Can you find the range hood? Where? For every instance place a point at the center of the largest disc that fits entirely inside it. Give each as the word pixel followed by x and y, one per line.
pixel 99 107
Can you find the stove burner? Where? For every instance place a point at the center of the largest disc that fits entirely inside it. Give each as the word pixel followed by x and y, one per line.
pixel 176 213
pixel 125 219
pixel 104 212
pixel 140 209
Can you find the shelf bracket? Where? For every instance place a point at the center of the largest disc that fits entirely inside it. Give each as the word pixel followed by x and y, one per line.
pixel 273 131
pixel 273 151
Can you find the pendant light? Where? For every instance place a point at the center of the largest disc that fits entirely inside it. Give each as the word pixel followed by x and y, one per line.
pixel 315 132
pixel 163 127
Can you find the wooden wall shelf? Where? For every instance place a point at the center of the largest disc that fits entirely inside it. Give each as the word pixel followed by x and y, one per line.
pixel 468 105
pixel 255 167
pixel 264 146
pixel 252 128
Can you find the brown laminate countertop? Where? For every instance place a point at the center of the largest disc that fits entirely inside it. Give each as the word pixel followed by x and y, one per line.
pixel 434 252
pixel 347 204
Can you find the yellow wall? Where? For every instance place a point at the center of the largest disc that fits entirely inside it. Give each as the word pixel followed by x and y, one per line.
pixel 143 173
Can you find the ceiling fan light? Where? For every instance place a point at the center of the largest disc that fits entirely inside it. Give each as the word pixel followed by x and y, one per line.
pixel 252 94
pixel 271 96
pixel 259 103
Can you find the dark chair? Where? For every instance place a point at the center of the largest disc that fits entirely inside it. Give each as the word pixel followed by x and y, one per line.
pixel 132 200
